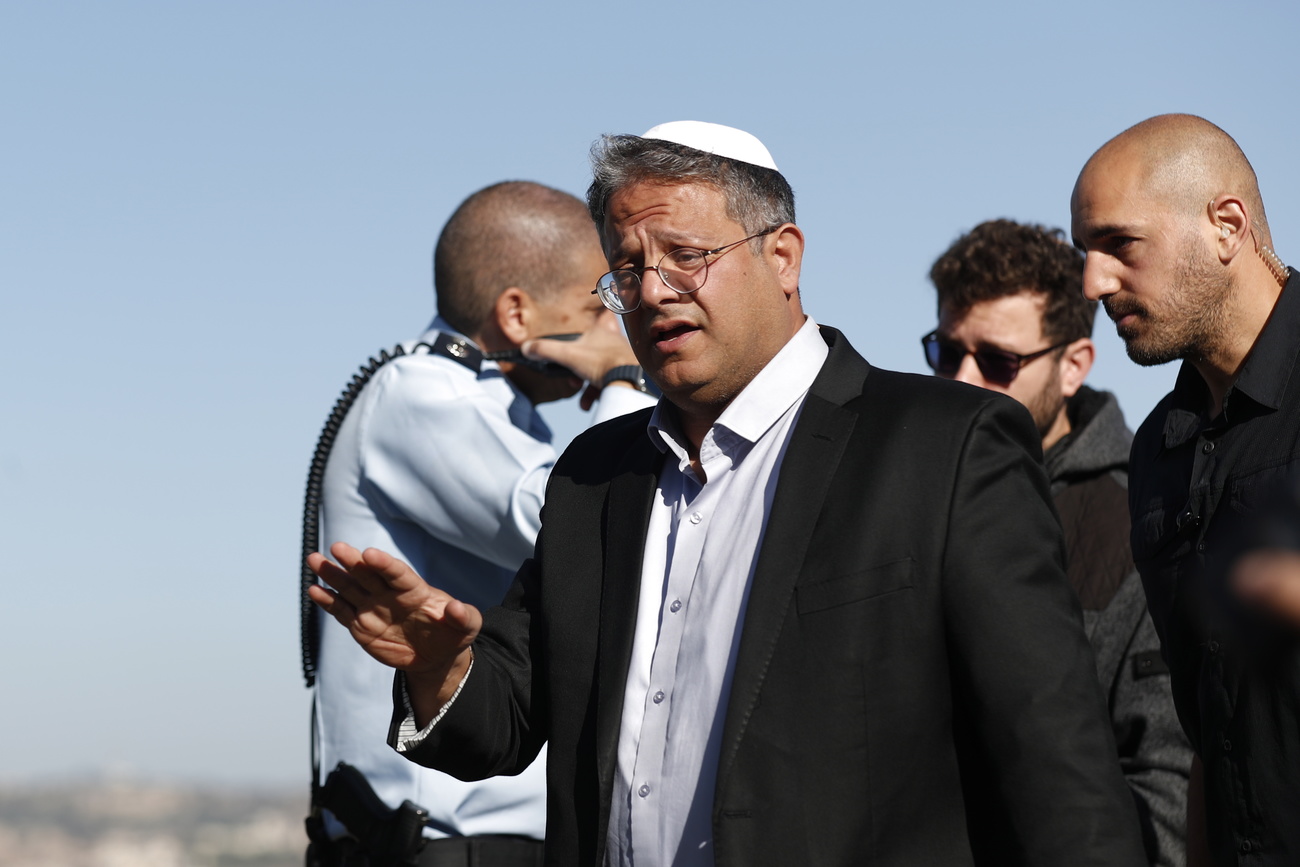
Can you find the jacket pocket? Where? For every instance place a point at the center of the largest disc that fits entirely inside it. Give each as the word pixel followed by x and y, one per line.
pixel 866 584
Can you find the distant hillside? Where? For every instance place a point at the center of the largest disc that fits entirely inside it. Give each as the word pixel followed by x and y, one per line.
pixel 133 824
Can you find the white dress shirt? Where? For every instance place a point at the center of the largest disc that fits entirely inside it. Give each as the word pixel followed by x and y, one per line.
pixel 702 545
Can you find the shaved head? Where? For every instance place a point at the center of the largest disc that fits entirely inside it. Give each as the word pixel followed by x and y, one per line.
pixel 1164 212
pixel 511 234
pixel 1183 161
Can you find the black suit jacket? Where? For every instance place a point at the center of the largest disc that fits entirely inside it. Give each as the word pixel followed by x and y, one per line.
pixel 912 686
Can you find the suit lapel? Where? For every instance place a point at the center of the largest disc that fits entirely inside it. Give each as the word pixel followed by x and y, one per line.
pixel 631 495
pixel 811 461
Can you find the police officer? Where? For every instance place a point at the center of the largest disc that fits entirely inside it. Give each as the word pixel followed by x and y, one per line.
pixel 444 459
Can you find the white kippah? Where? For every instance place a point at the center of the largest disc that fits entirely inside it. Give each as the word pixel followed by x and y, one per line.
pixel 714 138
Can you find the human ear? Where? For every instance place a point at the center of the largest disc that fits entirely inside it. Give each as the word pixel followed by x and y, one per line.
pixel 787 254
pixel 1232 226
pixel 1075 364
pixel 513 314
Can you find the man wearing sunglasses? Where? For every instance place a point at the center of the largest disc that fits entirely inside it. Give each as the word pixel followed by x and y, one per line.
pixel 805 611
pixel 1013 319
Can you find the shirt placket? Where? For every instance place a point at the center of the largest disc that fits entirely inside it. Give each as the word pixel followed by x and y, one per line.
pixel 648 803
pixel 1217 746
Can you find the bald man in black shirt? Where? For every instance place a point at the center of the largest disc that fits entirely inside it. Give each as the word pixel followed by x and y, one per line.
pixel 1179 253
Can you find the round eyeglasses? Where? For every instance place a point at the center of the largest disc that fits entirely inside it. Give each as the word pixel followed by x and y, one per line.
pixel 683 270
pixel 998 366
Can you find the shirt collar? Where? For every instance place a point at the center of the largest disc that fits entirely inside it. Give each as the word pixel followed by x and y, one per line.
pixel 1268 368
pixel 1189 399
pixel 1262 381
pixel 440 324
pixel 523 414
pixel 439 328
pixel 781 383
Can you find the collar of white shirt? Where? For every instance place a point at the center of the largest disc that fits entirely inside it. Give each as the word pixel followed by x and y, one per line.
pixel 778 386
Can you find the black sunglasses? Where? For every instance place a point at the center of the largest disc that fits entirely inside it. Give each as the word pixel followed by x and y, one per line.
pixel 998 366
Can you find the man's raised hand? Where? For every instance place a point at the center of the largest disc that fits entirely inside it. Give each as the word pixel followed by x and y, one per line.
pixel 398 619
pixel 599 350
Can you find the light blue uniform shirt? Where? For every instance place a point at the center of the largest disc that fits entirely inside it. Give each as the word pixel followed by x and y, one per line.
pixel 446 468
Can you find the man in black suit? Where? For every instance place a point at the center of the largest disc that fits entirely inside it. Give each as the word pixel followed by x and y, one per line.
pixel 804 612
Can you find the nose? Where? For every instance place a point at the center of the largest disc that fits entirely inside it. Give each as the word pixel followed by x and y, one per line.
pixel 653 289
pixel 1098 282
pixel 969 372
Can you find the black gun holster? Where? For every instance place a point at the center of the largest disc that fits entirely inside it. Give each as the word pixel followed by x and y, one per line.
pixel 377 836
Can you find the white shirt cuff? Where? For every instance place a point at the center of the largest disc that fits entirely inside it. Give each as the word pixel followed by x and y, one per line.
pixel 617 400
pixel 407 736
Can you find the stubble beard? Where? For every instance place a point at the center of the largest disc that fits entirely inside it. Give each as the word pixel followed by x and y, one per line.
pixel 1046 406
pixel 1189 323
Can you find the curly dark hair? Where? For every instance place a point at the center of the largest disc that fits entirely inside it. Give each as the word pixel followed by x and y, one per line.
pixel 998 258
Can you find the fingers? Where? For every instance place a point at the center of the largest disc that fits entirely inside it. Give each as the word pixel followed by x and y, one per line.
pixel 589 396
pixel 377 588
pixel 369 573
pixel 345 554
pixel 1271 580
pixel 324 597
pixel 391 611
pixel 562 352
pixel 335 576
pixel 394 573
pixel 590 356
pixel 462 616
pixel 332 603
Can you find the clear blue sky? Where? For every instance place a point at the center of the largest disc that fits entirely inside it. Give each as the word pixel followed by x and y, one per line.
pixel 211 213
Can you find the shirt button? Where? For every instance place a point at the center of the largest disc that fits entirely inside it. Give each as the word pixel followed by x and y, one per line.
pixel 659 696
pixel 1245 846
pixel 676 606
pixel 1207 448
pixel 644 790
pixel 1213 647
pixel 696 517
pixel 1227 745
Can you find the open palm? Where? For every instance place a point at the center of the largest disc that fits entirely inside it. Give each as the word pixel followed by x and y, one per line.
pixel 396 616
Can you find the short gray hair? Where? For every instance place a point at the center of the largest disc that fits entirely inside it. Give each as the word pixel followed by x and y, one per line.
pixel 757 198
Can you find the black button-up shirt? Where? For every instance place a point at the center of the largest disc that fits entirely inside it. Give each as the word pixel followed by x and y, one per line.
pixel 1196 486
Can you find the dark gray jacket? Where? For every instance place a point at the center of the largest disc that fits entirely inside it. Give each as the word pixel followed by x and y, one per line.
pixel 1088 469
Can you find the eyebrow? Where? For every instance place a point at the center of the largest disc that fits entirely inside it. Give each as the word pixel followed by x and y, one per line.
pixel 1104 231
pixel 670 243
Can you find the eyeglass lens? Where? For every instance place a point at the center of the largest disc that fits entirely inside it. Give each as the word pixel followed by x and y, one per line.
pixel 683 270
pixel 945 357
